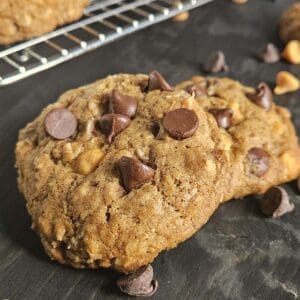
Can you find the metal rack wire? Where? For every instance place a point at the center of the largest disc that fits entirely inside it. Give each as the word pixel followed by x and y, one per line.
pixel 103 22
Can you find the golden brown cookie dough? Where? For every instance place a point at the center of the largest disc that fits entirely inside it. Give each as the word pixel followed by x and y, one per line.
pixel 148 191
pixel 24 19
pixel 289 27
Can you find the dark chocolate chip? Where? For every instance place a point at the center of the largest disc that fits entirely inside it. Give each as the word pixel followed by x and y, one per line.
pixel 60 123
pixel 216 63
pixel 263 96
pixel 195 89
pixel 139 284
pixel 133 173
pixel 122 104
pixel 259 161
pixel 276 203
pixel 270 54
pixel 298 184
pixel 180 123
pixel 112 124
pixel 157 82
pixel 223 117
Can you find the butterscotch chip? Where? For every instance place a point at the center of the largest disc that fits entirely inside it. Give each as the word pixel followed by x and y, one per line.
pixel 182 17
pixel 291 52
pixel 88 161
pixel 239 1
pixel 122 215
pixel 286 83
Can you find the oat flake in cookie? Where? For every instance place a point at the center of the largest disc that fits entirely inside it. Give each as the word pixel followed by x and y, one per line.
pixel 89 214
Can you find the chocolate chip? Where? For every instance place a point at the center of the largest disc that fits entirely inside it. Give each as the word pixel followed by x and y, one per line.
pixel 263 96
pixel 112 124
pixel 180 123
pixel 223 117
pixel 157 82
pixel 259 161
pixel 133 173
pixel 276 203
pixel 140 283
pixel 270 54
pixel 195 89
pixel 122 104
pixel 216 63
pixel 60 123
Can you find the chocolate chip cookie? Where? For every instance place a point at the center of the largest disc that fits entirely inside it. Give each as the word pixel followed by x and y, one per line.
pixel 119 170
pixel 24 19
pixel 289 27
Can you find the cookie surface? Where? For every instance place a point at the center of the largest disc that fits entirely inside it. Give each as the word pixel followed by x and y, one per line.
pixel 119 204
pixel 290 24
pixel 24 19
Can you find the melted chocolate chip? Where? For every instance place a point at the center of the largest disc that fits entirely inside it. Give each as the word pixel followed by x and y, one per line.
pixel 122 104
pixel 263 96
pixel 112 124
pixel 157 82
pixel 223 117
pixel 259 161
pixel 180 123
pixel 276 203
pixel 60 123
pixel 270 54
pixel 216 63
pixel 133 173
pixel 140 283
pixel 195 89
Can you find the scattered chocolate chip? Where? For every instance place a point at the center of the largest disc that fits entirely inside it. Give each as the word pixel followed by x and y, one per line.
pixel 259 161
pixel 122 104
pixel 157 82
pixel 223 117
pixel 216 63
pixel 133 172
pixel 140 283
pixel 112 124
pixel 180 123
pixel 270 54
pixel 60 123
pixel 263 96
pixel 276 203
pixel 195 89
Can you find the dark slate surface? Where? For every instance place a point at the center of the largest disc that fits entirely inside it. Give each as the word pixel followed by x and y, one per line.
pixel 238 254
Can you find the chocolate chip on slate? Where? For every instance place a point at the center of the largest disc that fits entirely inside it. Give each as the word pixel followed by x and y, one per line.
pixel 216 63
pixel 195 89
pixel 223 117
pixel 276 203
pixel 60 123
pixel 180 123
pixel 133 172
pixel 270 54
pixel 139 284
pixel 259 161
pixel 157 82
pixel 263 96
pixel 122 104
pixel 112 124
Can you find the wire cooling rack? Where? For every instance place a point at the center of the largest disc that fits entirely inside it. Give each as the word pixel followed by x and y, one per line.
pixel 103 21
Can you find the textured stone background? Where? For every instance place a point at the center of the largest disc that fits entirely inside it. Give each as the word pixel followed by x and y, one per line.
pixel 238 254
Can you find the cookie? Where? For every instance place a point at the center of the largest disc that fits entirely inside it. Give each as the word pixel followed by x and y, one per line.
pixel 145 165
pixel 289 26
pixel 24 19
